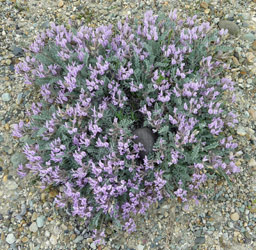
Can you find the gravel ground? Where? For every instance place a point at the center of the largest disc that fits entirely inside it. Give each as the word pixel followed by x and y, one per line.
pixel 28 217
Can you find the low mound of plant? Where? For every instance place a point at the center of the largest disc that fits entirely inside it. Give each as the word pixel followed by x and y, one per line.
pixel 98 86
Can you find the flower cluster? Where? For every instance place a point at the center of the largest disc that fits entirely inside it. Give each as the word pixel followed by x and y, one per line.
pixel 98 86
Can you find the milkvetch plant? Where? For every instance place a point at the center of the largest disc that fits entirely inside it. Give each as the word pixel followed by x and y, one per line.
pixel 98 86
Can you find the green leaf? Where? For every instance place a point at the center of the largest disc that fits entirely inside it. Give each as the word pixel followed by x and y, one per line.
pixel 161 64
pixel 137 74
pixel 222 173
pixel 211 146
pixel 164 129
pixel 41 131
pixel 195 152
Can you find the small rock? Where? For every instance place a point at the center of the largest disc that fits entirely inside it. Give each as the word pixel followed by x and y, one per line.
pixel 53 239
pixel 19 99
pixel 207 11
pixel 252 112
pixel 241 131
pixel 235 61
pixel 17 51
pixel 24 239
pixel 93 245
pixel 89 240
pixel 6 97
pixel 11 185
pixel 252 163
pixel 10 238
pixel 253 210
pixel 18 158
pixel 60 4
pixel 249 37
pixel 79 238
pixel 40 221
pixel 73 17
pixel 33 227
pixel 232 28
pixel 23 209
pixel 8 61
pixel 234 217
pixel 147 138
pixel 204 5
pixel 254 45
pixel 199 240
pixel 245 16
pixel 140 247
pixel 250 57
pixel 47 234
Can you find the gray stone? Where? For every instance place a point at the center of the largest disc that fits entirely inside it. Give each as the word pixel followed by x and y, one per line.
pixel 147 138
pixel 11 185
pixel 140 247
pixel 18 158
pixel 6 97
pixel 23 209
pixel 17 51
pixel 245 16
pixel 249 37
pixel 40 221
pixel 93 245
pixel 33 227
pixel 199 240
pixel 232 28
pixel 53 239
pixel 44 25
pixel 79 238
pixel 19 99
pixel 10 238
pixel 19 217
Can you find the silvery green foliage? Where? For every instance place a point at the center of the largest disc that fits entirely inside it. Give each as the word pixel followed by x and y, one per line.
pixel 100 85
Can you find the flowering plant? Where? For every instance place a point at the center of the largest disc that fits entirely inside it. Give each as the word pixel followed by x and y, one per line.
pixel 98 86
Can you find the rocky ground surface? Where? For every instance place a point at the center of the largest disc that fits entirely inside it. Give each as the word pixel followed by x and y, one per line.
pixel 28 217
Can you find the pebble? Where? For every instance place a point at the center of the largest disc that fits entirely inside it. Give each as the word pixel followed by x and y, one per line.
pixel 250 57
pixel 19 99
pixel 24 239
pixel 79 238
pixel 60 4
pixel 23 209
pixel 53 239
pixel 140 247
pixel 8 61
pixel 241 131
pixel 249 37
pixel 204 5
pixel 232 28
pixel 10 238
pixel 6 97
pixel 11 185
pixel 33 227
pixel 17 51
pixel 254 45
pixel 252 163
pixel 18 158
pixel 234 217
pixel 199 240
pixel 40 221
pixel 93 245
